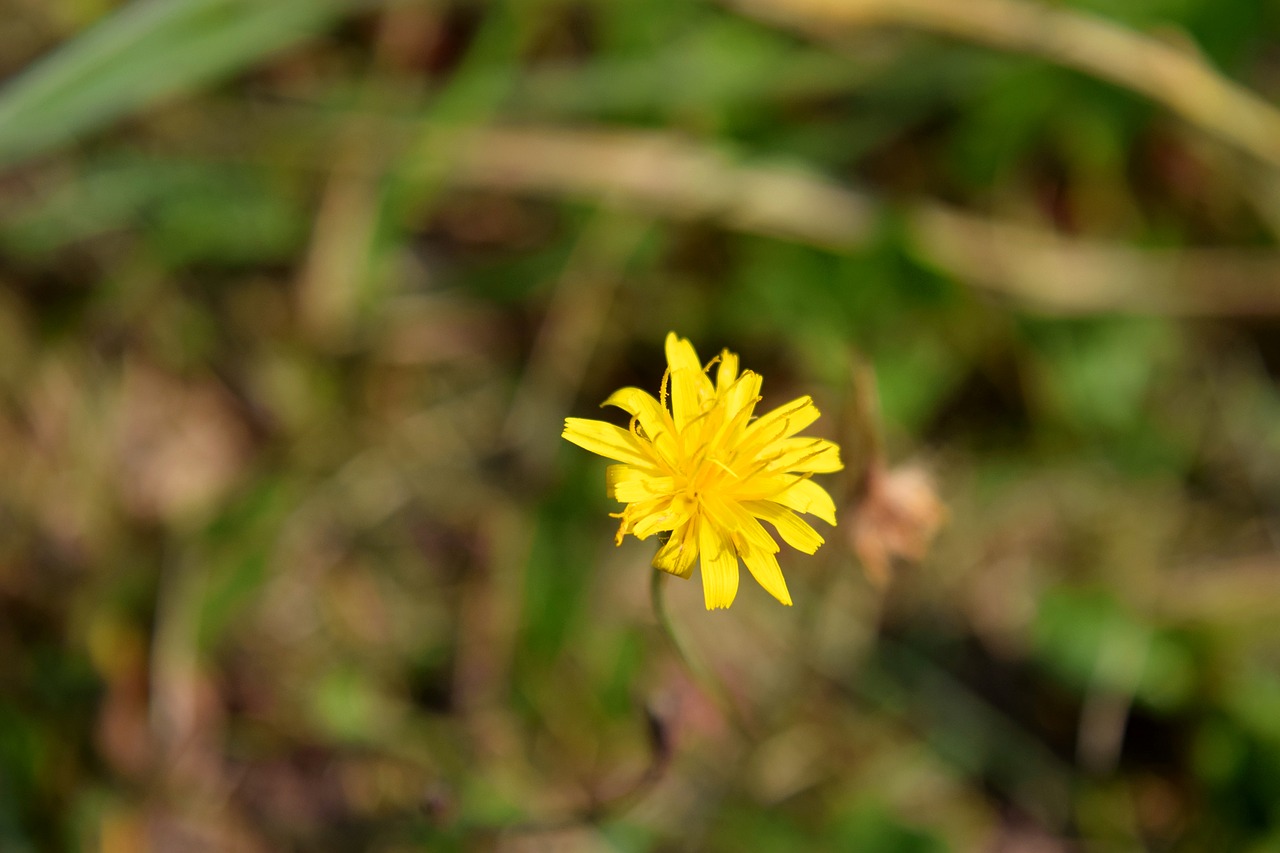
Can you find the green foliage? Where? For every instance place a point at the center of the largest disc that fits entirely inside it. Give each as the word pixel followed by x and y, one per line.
pixel 291 556
pixel 1096 645
pixel 870 828
pixel 145 52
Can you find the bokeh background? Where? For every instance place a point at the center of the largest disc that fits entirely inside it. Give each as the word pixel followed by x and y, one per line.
pixel 294 297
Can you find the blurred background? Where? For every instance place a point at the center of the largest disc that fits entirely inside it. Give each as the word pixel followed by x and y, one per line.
pixel 294 298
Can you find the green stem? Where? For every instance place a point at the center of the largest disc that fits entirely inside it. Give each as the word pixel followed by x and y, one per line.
pixel 702 675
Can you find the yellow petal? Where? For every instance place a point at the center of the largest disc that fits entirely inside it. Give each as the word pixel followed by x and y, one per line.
pixel 727 372
pixel 680 353
pixel 687 395
pixel 724 436
pixel 638 486
pixel 657 515
pixel 612 442
pixel 690 387
pixel 695 463
pixel 680 554
pixel 804 495
pixel 795 532
pixel 653 417
pixel 615 474
pixel 743 529
pixel 719 567
pixel 765 569
pixel 759 485
pixel 783 421
pixel 742 395
pixel 804 455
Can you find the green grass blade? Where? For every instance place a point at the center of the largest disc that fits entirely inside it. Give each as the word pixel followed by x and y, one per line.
pixel 146 51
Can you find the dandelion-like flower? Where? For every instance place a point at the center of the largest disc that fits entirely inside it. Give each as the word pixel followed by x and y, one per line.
pixel 707 472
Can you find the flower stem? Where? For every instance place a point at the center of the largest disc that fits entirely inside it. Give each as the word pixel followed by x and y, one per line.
pixel 701 674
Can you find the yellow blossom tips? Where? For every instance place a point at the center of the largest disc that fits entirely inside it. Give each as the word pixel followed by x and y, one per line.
pixel 708 472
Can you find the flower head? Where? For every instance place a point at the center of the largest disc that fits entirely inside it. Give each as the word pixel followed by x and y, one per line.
pixel 707 472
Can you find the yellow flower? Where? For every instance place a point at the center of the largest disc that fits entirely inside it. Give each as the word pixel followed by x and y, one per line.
pixel 708 472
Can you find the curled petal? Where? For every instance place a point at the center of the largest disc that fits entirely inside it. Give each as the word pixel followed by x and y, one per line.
pixel 653 418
